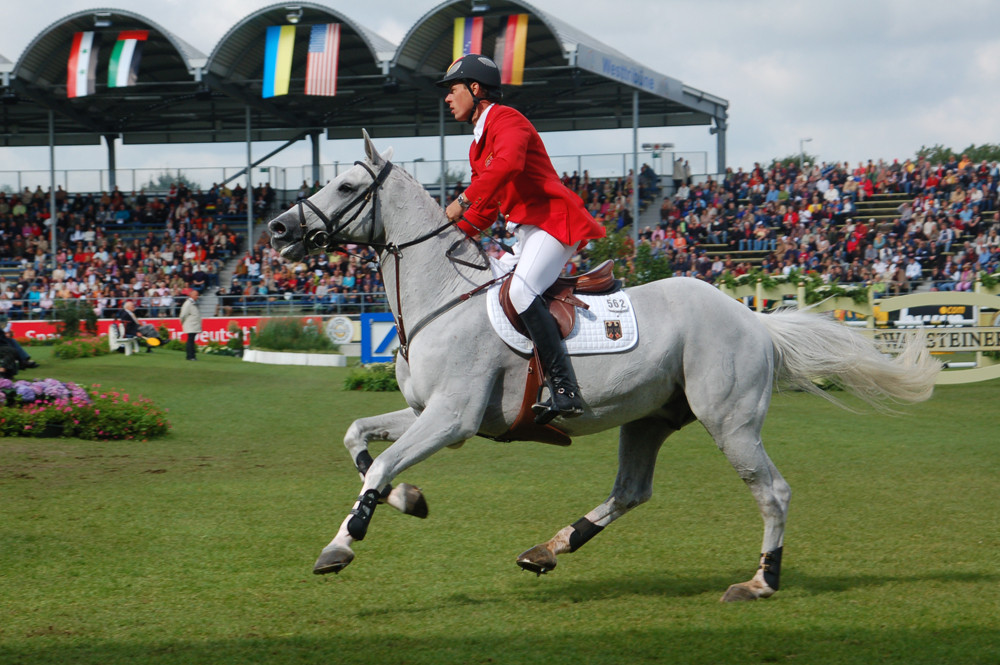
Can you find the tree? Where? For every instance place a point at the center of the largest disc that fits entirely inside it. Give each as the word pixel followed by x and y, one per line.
pixel 164 180
pixel 938 154
pixel 793 160
pixel 643 266
pixel 617 246
pixel 70 314
pixel 649 268
pixel 453 177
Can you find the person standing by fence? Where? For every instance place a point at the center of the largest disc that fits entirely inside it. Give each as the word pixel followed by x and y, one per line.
pixel 190 321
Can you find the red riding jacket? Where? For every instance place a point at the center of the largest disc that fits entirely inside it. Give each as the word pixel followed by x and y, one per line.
pixel 513 174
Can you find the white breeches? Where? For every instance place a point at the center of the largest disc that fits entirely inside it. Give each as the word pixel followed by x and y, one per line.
pixel 540 260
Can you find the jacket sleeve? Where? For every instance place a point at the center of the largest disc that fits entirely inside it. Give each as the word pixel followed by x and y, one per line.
pixel 480 215
pixel 506 158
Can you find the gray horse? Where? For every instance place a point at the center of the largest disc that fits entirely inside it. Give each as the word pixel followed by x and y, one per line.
pixel 701 356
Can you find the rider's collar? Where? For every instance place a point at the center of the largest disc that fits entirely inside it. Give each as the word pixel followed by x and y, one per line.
pixel 477 133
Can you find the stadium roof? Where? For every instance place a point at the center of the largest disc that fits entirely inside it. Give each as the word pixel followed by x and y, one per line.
pixel 571 82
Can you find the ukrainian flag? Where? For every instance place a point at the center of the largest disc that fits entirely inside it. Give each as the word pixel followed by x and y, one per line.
pixel 278 60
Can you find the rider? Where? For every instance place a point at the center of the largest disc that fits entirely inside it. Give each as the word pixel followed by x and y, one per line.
pixel 512 174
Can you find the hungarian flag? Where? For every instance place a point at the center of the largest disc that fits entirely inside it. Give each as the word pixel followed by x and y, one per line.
pixel 510 47
pixel 467 37
pixel 321 60
pixel 82 66
pixel 123 69
pixel 280 41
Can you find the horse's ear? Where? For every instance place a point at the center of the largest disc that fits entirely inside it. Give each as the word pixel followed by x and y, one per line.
pixel 370 150
pixel 373 155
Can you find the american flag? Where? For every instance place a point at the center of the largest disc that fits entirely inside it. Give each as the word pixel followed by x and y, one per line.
pixel 321 63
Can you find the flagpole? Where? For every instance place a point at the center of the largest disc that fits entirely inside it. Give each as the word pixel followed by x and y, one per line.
pixel 314 137
pixel 109 141
pixel 444 163
pixel 249 191
pixel 635 168
pixel 52 184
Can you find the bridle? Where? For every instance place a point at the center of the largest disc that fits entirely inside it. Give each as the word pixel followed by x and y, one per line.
pixel 320 239
pixel 324 239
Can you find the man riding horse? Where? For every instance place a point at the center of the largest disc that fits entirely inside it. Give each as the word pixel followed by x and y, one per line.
pixel 513 175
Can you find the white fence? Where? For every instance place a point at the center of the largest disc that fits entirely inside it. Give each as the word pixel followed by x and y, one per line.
pixel 288 179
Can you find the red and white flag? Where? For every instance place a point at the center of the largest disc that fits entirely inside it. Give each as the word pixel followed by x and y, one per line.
pixel 321 61
pixel 81 69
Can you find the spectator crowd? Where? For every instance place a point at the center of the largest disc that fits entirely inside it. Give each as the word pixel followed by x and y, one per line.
pixel 113 247
pixel 346 281
pixel 942 232
pixel 149 248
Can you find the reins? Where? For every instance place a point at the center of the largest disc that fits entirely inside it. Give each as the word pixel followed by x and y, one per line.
pixel 320 238
pixel 324 239
pixel 397 253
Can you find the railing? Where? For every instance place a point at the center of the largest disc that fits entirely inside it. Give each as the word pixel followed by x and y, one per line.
pixel 285 304
pixel 292 304
pixel 287 180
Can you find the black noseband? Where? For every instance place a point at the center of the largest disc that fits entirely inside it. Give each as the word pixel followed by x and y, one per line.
pixel 318 239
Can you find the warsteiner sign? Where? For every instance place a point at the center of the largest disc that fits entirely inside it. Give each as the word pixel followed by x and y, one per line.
pixel 944 339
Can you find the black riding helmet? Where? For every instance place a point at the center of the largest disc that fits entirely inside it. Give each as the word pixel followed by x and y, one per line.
pixel 478 68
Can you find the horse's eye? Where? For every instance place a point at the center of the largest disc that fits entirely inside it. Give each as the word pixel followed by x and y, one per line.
pixel 346 188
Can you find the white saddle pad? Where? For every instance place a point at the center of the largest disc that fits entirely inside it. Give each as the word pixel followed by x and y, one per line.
pixel 607 327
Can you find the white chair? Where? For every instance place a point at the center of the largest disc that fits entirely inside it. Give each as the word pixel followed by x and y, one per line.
pixel 116 339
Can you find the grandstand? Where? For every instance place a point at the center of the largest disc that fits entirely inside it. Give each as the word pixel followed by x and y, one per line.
pixel 150 247
pixel 896 227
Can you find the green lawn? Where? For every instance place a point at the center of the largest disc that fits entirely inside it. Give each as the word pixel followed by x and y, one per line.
pixel 198 547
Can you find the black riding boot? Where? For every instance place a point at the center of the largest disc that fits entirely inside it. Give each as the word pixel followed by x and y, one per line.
pixel 564 399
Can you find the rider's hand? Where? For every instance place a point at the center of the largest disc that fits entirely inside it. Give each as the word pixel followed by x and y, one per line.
pixel 454 211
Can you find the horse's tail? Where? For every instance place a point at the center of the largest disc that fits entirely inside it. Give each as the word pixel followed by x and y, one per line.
pixel 810 348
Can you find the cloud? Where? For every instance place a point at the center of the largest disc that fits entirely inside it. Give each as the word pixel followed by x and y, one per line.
pixel 863 79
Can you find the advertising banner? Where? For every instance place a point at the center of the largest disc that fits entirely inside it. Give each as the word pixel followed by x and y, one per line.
pixel 213 328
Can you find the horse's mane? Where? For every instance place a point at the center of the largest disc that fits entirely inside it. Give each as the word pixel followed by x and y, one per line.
pixel 426 200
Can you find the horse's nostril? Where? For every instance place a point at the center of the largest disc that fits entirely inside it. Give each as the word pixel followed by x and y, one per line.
pixel 278 229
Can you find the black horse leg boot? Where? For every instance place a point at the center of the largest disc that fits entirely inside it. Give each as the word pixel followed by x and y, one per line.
pixel 564 399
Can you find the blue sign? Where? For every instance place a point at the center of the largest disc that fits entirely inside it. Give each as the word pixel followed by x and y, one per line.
pixel 379 339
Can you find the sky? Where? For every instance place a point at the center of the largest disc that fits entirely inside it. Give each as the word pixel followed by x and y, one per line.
pixel 863 79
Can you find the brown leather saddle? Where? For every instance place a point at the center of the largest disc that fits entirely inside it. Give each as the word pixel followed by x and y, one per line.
pixel 559 297
pixel 562 304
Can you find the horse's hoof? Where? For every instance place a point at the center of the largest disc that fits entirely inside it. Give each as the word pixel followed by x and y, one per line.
pixel 416 504
pixel 333 560
pixel 538 560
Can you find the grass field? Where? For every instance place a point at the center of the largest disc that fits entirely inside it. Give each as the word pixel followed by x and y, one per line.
pixel 198 547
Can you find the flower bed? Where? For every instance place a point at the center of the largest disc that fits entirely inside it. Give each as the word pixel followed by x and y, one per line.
pixel 81 347
pixel 376 377
pixel 51 408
